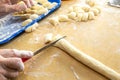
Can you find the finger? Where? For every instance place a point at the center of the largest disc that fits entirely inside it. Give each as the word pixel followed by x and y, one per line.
pixel 27 2
pixel 32 2
pixel 16 53
pixel 22 53
pixel 2 77
pixel 14 64
pixel 9 74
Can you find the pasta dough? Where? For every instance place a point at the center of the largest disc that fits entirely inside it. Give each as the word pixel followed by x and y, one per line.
pixel 91 15
pixel 48 37
pixel 54 21
pixel 63 18
pixel 91 2
pixel 85 17
pixel 26 22
pixel 79 17
pixel 33 16
pixel 95 11
pixel 32 28
pixel 72 15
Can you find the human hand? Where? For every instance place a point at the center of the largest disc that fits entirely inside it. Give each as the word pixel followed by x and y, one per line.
pixel 7 6
pixel 11 63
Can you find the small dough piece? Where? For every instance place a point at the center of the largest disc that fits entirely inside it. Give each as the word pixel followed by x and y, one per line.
pixel 91 15
pixel 98 8
pixel 86 8
pixel 54 21
pixel 63 18
pixel 37 7
pixel 77 9
pixel 49 5
pixel 48 38
pixel 85 17
pixel 72 15
pixel 45 10
pixel 79 17
pixel 91 2
pixel 95 11
pixel 33 16
pixel 32 28
pixel 26 22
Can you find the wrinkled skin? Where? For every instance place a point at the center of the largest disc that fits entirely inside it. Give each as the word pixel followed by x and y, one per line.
pixel 11 63
pixel 8 6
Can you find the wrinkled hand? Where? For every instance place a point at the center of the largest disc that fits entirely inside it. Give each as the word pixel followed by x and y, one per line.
pixel 11 63
pixel 7 6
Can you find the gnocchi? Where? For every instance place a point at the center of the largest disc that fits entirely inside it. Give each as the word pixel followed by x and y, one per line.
pixel 63 18
pixel 42 11
pixel 32 28
pixel 48 38
pixel 91 2
pixel 26 22
pixel 91 15
pixel 85 17
pixel 72 15
pixel 54 21
pixel 33 16
pixel 95 11
pixel 79 17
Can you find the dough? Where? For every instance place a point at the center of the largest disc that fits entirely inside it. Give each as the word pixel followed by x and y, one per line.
pixel 54 21
pixel 95 11
pixel 48 38
pixel 63 18
pixel 91 15
pixel 86 59
pixel 85 17
pixel 79 17
pixel 33 16
pixel 91 2
pixel 26 22
pixel 77 9
pixel 32 28
pixel 37 7
pixel 45 10
pixel 86 8
pixel 72 15
pixel 98 8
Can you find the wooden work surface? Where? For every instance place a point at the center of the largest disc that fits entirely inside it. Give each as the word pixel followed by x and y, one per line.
pixel 99 38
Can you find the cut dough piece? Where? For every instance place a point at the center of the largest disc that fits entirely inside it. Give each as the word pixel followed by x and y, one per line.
pixel 37 7
pixel 33 16
pixel 79 17
pixel 49 5
pixel 95 11
pixel 91 2
pixel 45 10
pixel 85 17
pixel 54 21
pixel 63 18
pixel 86 8
pixel 48 38
pixel 72 15
pixel 32 28
pixel 91 15
pixel 98 8
pixel 26 22
pixel 77 9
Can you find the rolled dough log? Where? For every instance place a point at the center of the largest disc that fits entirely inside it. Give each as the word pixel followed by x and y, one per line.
pixel 87 60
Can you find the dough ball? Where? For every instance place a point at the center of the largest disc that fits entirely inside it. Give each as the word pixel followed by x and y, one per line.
pixel 32 28
pixel 33 16
pixel 91 2
pixel 48 38
pixel 91 15
pixel 79 17
pixel 72 15
pixel 63 18
pixel 85 17
pixel 54 21
pixel 26 22
pixel 95 11
pixel 45 10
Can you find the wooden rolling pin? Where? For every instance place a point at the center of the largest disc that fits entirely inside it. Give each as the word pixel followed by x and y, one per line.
pixel 87 60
